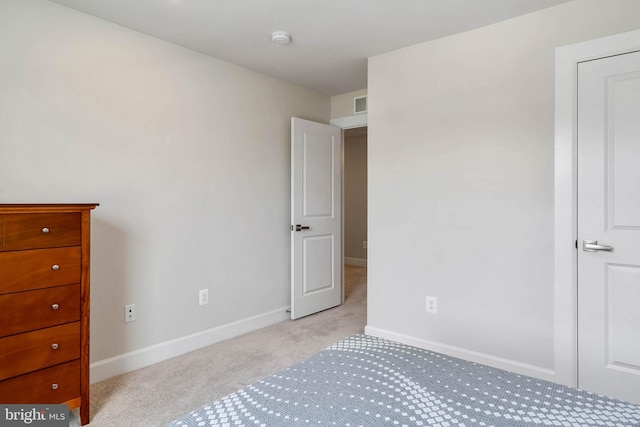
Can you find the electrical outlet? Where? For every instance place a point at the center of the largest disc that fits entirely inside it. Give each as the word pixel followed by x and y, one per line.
pixel 364 244
pixel 203 296
pixel 129 313
pixel 432 305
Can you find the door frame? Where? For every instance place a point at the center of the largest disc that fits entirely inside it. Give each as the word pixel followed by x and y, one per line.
pixel 349 122
pixel 565 194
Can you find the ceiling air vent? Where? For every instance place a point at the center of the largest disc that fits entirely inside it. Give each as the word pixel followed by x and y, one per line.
pixel 360 104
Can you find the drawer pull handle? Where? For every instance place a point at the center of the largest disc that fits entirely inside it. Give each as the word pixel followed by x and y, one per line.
pixel 54 346
pixel 55 306
pixel 54 386
pixel 45 230
pixel 55 267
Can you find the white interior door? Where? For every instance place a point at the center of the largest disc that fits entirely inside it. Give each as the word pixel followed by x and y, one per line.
pixel 316 217
pixel 609 213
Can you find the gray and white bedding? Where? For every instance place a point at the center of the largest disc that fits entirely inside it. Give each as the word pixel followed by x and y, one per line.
pixel 369 382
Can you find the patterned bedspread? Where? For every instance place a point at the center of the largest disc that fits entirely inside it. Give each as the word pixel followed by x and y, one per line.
pixel 369 382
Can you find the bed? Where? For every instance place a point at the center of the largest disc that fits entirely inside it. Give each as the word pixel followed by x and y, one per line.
pixel 368 381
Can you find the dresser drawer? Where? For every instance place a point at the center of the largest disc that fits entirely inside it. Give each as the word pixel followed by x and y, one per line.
pixel 52 385
pixel 33 231
pixel 31 351
pixel 27 311
pixel 39 268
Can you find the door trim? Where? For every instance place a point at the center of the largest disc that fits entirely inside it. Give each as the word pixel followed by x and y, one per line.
pixel 565 195
pixel 348 122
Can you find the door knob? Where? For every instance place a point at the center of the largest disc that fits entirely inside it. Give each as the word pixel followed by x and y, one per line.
pixel 593 246
pixel 299 227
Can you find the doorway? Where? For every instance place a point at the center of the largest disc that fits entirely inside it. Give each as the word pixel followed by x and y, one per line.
pixel 354 211
pixel 355 196
pixel 321 183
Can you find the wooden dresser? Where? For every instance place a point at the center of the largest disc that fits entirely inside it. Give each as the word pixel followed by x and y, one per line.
pixel 44 304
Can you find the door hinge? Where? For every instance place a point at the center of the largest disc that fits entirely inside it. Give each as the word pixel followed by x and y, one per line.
pixel 576 244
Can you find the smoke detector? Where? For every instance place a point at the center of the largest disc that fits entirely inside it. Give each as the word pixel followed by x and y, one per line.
pixel 280 37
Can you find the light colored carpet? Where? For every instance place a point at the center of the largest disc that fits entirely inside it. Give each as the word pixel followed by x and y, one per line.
pixel 158 394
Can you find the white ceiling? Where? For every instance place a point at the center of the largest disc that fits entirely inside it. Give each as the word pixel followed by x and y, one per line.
pixel 331 39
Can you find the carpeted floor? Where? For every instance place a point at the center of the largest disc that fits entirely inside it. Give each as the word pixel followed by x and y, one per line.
pixel 158 394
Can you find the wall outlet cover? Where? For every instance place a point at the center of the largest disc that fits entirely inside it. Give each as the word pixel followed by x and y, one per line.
pixel 129 313
pixel 432 305
pixel 203 296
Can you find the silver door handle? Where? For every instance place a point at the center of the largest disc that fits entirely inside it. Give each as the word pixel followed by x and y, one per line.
pixel 593 246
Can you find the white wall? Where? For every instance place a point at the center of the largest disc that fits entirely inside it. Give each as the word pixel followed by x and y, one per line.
pixel 342 105
pixel 461 185
pixel 187 155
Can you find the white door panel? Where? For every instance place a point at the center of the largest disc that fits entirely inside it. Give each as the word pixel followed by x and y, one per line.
pixel 318 170
pixel 317 270
pixel 609 213
pixel 623 326
pixel 316 251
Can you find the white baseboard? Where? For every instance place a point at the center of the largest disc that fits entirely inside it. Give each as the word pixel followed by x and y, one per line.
pixel 470 355
pixel 147 356
pixel 355 261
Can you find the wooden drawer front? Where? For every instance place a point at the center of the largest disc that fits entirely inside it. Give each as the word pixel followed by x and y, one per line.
pixel 27 311
pixel 52 385
pixel 36 269
pixel 23 353
pixel 32 231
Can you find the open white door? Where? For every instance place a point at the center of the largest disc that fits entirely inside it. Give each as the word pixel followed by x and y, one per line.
pixel 609 226
pixel 316 217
